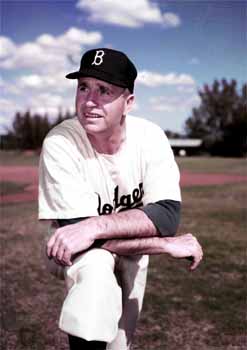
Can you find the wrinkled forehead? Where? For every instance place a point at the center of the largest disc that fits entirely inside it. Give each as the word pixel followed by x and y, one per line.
pixel 91 82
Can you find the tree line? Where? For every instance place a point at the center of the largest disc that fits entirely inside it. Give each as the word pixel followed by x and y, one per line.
pixel 29 130
pixel 220 121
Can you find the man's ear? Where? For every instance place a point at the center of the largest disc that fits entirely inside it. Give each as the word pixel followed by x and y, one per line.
pixel 129 103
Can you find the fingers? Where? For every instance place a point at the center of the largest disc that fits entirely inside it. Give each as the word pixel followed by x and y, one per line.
pixel 58 249
pixel 195 263
pixel 67 258
pixel 58 262
pixel 196 252
pixel 64 255
pixel 50 243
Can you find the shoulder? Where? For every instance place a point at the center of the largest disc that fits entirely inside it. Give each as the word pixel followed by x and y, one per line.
pixel 67 132
pixel 64 128
pixel 61 145
pixel 68 139
pixel 144 130
pixel 62 140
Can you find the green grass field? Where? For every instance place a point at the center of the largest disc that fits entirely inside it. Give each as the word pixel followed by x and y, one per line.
pixel 7 187
pixel 19 158
pixel 237 166
pixel 182 310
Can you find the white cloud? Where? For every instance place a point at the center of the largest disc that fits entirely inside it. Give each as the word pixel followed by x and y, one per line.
pixel 153 79
pixel 46 103
pixel 127 13
pixel 47 100
pixel 7 112
pixel 164 107
pixel 171 20
pixel 178 102
pixel 48 53
pixel 72 40
pixel 187 89
pixel 43 103
pixel 8 88
pixel 56 82
pixel 32 81
pixel 5 104
pixel 7 47
pixel 50 104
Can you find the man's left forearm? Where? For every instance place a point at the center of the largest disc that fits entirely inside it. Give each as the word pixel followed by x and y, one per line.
pixel 134 246
pixel 183 246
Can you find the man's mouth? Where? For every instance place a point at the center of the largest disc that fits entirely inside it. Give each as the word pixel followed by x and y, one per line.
pixel 92 116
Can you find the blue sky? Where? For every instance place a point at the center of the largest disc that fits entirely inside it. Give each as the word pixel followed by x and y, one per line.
pixel 177 47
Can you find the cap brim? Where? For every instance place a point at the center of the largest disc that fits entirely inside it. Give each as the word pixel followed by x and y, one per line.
pixel 98 75
pixel 73 75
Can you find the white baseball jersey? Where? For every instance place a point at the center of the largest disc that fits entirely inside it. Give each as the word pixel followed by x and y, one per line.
pixel 77 181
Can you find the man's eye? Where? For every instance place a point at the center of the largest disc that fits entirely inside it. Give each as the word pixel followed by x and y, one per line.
pixel 104 91
pixel 82 87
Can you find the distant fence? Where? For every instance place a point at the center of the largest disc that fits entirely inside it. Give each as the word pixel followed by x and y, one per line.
pixel 186 147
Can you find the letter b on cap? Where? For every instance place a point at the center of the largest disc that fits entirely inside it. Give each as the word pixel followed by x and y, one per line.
pixel 98 58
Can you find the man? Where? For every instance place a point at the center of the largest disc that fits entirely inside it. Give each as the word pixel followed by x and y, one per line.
pixel 110 186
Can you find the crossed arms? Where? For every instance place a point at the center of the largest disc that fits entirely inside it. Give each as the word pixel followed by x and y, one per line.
pixel 126 233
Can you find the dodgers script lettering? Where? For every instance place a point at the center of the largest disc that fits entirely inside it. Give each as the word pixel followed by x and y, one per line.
pixel 124 202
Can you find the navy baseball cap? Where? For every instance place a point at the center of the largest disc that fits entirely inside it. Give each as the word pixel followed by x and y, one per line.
pixel 108 65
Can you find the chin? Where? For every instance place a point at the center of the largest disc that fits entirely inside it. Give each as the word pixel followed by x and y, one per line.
pixel 93 129
pixel 95 126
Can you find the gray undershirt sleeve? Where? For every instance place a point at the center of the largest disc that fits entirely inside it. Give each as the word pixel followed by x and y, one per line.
pixel 165 215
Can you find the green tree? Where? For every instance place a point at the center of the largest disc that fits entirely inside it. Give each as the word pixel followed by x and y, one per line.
pixel 22 130
pixel 40 127
pixel 173 134
pixel 221 119
pixel 61 117
pixel 28 131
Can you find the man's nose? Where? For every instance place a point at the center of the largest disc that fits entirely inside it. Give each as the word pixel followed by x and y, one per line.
pixel 92 98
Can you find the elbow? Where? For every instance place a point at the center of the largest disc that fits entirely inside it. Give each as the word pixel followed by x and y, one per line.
pixel 165 215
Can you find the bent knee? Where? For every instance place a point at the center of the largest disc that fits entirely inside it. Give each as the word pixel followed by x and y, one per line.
pixel 96 263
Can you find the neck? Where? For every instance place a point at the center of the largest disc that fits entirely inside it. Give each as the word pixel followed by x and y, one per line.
pixel 108 143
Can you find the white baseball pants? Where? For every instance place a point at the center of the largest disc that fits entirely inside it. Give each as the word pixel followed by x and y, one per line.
pixel 105 295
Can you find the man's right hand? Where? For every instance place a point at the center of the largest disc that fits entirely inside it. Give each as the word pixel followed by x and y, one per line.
pixel 184 246
pixel 67 241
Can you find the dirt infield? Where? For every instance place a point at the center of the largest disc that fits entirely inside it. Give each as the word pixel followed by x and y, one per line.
pixel 20 174
pixel 203 179
pixel 29 175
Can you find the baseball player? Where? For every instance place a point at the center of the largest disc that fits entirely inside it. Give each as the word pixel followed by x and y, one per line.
pixel 109 186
